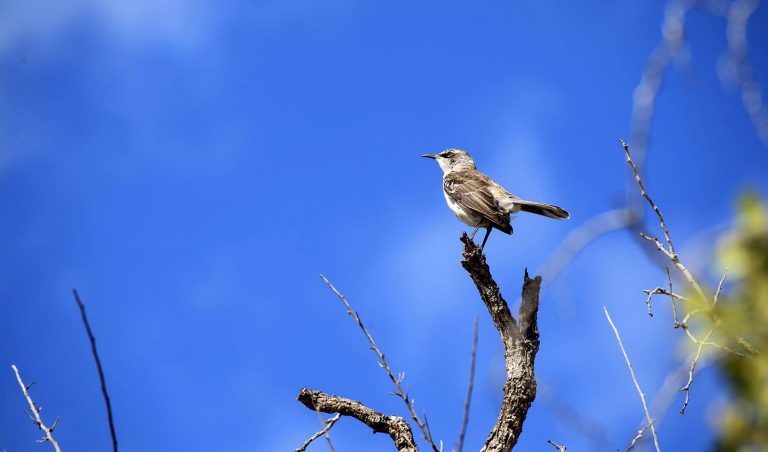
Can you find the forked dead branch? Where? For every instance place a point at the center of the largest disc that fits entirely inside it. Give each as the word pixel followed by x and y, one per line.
pixel 521 343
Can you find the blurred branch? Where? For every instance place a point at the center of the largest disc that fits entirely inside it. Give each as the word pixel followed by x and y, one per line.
pixel 666 52
pixel 634 380
pixel 647 90
pixel 324 431
pixel 394 426
pixel 572 417
pixel 521 343
pixel 559 447
pixel 739 67
pixel 35 409
pixel 581 237
pixel 470 386
pixel 631 215
pixel 95 353
pixel 385 365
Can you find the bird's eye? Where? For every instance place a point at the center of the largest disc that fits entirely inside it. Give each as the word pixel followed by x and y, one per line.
pixel 447 154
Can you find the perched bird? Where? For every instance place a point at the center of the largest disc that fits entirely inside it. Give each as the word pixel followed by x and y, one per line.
pixel 479 201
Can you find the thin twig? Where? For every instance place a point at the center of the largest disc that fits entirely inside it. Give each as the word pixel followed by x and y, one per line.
pixel 701 344
pixel 634 379
pixel 647 197
pixel 662 291
pixel 36 412
pixel 559 447
pixel 470 386
pixel 670 249
pixel 668 292
pixel 324 431
pixel 326 434
pixel 98 367
pixel 719 288
pixel 674 305
pixel 687 387
pixel 384 365
pixel 638 436
pixel 674 258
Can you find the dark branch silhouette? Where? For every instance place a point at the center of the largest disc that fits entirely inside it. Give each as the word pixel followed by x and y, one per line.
pixel 98 367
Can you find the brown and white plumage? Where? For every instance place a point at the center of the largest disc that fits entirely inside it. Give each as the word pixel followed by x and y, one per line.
pixel 479 201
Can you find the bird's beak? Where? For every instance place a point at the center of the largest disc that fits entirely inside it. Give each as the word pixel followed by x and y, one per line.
pixel 430 156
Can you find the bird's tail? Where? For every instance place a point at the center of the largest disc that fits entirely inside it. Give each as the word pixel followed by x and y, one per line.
pixel 548 210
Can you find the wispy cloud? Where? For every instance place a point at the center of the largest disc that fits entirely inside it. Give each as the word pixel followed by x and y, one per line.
pixel 38 24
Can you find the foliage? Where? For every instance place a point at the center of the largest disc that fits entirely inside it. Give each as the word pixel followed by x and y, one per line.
pixel 743 316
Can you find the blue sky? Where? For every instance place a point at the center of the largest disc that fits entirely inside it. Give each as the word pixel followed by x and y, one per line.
pixel 192 167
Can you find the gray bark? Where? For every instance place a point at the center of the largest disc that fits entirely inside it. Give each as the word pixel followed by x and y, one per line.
pixel 521 343
pixel 396 427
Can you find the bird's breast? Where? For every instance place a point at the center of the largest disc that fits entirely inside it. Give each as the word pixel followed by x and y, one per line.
pixel 467 216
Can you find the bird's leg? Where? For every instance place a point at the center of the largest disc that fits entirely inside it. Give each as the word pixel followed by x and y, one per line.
pixel 487 233
pixel 472 237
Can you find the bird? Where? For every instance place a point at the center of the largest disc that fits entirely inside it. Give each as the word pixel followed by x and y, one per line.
pixel 478 201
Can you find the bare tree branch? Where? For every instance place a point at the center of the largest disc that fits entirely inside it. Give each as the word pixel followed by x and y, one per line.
pixel 638 436
pixel 676 323
pixel 647 90
pixel 394 426
pixel 737 18
pixel 559 447
pixel 687 387
pixel 670 249
pixel 324 431
pixel 470 386
pixel 719 288
pixel 668 292
pixel 35 409
pixel 521 343
pixel 634 380
pixel 95 353
pixel 384 365
pixel 326 434
pixel 631 216
pixel 701 344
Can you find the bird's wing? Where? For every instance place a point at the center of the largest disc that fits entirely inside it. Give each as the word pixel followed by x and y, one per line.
pixel 474 190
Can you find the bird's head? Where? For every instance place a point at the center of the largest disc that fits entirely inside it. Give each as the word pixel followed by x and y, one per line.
pixel 452 159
